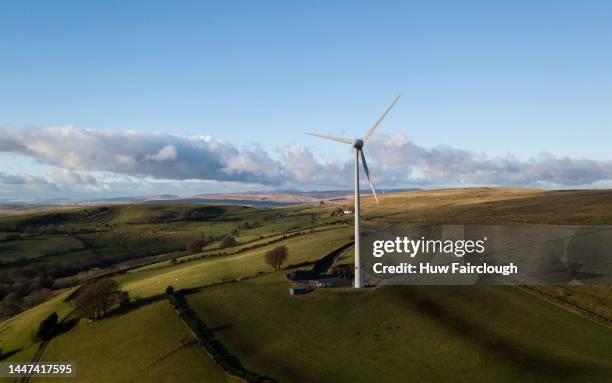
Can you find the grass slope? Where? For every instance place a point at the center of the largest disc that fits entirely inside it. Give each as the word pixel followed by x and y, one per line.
pixel 16 332
pixel 148 344
pixel 420 334
pixel 37 247
pixel 416 334
pixel 596 299
pixel 308 247
pixel 505 206
pixel 98 236
pixel 495 206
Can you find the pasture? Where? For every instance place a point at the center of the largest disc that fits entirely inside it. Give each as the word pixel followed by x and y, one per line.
pixel 404 333
pixel 392 333
pixel 148 281
pixel 149 343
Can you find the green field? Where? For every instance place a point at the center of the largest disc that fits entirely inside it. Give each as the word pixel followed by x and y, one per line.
pixel 16 332
pixel 593 298
pixel 387 334
pixel 90 237
pixel 148 344
pixel 417 334
pixel 38 246
pixel 309 247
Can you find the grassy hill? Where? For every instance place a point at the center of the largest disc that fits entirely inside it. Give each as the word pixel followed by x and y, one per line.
pixel 151 281
pixel 148 344
pixel 57 249
pixel 132 231
pixel 494 206
pixel 407 333
pixel 422 334
pixel 16 332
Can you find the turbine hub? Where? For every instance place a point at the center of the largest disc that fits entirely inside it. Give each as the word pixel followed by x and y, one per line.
pixel 358 143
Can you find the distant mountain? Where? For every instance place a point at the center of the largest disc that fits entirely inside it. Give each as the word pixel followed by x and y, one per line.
pixel 254 198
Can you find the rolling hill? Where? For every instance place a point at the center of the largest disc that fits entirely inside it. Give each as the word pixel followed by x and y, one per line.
pixel 392 333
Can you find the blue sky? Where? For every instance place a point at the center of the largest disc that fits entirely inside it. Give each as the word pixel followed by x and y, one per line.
pixel 486 77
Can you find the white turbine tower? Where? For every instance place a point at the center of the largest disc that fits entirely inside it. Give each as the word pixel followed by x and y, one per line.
pixel 358 145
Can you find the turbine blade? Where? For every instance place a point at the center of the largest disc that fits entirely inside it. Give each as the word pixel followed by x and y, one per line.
pixel 367 172
pixel 373 128
pixel 333 138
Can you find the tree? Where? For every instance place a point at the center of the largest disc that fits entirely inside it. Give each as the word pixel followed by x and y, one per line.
pixel 184 215
pixel 37 296
pixel 228 242
pixel 98 298
pixel 195 246
pixel 12 304
pixel 108 293
pixel 170 290
pixel 277 256
pixel 86 302
pixel 247 225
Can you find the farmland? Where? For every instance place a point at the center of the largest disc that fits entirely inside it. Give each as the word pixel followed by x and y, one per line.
pixel 151 340
pixel 404 333
pixel 210 270
pixel 16 332
pixel 417 333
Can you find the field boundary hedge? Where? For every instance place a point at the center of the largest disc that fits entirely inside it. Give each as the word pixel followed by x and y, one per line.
pixel 213 347
pixel 568 305
pixel 281 238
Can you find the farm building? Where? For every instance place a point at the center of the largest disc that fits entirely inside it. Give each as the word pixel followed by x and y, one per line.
pixel 300 290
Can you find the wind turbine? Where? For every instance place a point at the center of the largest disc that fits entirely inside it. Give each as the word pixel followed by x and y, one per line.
pixel 358 144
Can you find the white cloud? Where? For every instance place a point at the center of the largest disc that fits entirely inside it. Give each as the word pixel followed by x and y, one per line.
pixel 167 153
pixel 400 157
pixel 302 164
pixel 136 158
pixel 15 184
pixel 69 180
pixel 161 156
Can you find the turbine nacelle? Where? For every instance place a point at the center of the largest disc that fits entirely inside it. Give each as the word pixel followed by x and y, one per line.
pixel 358 144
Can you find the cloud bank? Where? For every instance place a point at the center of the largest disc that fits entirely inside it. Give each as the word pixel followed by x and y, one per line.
pixel 76 155
pixel 160 156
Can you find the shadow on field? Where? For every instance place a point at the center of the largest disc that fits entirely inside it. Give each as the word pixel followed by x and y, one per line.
pixel 136 304
pixel 66 326
pixel 536 362
pixel 222 327
pixel 10 353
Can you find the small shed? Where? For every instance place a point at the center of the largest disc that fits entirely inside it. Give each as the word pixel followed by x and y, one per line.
pixel 300 290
